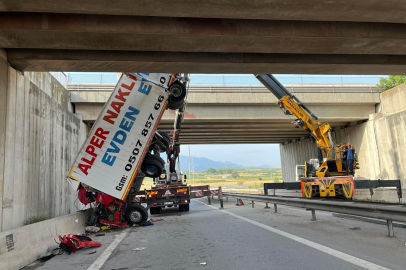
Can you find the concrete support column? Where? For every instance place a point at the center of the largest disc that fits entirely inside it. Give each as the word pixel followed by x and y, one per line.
pixel 3 114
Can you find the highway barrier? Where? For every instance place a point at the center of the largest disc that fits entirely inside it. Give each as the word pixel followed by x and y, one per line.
pixel 388 212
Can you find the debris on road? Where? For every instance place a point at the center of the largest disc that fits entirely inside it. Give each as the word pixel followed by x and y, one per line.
pixel 355 228
pixel 50 253
pixel 146 223
pixel 104 228
pixel 71 243
pixel 203 263
pixel 138 249
pixel 92 229
pixel 93 252
pixel 100 234
pixel 239 202
pixel 156 219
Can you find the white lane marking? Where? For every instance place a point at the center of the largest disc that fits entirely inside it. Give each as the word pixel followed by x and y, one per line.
pixel 330 251
pixel 101 260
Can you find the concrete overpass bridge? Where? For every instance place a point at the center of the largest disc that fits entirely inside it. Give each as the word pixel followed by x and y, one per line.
pixel 244 114
pixel 256 36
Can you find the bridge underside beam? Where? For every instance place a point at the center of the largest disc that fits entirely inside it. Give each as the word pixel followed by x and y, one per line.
pixel 310 10
pixel 78 42
pixel 235 63
pixel 101 32
pixel 242 131
pixel 248 114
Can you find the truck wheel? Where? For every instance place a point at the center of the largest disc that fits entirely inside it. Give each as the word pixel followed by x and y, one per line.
pixel 158 210
pixel 136 214
pixel 153 166
pixel 174 105
pixel 181 208
pixel 155 210
pixel 178 91
pixel 165 141
pixel 186 207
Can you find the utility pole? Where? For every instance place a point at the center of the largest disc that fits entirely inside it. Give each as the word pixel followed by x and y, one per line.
pixel 190 179
pixel 225 171
pixel 193 165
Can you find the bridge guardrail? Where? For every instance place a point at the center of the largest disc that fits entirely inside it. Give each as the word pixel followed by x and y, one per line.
pixel 241 89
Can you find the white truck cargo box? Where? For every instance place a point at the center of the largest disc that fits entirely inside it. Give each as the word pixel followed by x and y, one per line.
pixel 113 152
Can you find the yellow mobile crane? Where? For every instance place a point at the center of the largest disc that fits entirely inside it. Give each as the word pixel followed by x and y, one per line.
pixel 326 178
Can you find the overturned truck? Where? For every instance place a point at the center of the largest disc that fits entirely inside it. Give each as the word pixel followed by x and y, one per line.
pixel 123 146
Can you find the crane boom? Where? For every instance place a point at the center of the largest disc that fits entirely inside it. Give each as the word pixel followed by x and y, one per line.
pixel 291 105
pixel 320 176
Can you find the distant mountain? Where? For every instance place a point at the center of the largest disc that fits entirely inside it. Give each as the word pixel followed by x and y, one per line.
pixel 259 167
pixel 202 164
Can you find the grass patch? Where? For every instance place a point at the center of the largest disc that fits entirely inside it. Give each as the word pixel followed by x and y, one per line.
pixel 369 200
pixel 256 186
pixel 33 220
pixel 247 178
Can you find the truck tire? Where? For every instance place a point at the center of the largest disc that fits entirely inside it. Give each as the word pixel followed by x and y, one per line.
pixel 181 208
pixel 174 105
pixel 135 214
pixel 186 207
pixel 165 141
pixel 153 166
pixel 155 210
pixel 178 91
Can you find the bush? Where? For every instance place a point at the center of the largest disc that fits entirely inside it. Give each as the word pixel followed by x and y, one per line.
pixel 391 82
pixel 234 175
pixel 240 183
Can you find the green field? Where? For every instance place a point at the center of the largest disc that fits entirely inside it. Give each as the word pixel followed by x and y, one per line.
pixel 231 178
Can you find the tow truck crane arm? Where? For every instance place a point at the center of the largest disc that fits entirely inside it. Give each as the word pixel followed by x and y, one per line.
pixel 325 186
pixel 320 131
pixel 291 105
pixel 174 149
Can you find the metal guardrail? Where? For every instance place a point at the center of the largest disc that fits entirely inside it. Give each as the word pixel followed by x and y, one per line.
pixel 236 80
pixel 241 89
pixel 388 212
pixel 245 190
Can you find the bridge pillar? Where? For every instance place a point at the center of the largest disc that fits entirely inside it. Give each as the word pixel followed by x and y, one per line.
pixel 3 114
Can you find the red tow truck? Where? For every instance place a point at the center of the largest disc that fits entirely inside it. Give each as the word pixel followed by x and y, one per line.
pixel 170 188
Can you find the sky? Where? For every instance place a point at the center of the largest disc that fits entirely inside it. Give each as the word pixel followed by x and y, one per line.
pixel 242 154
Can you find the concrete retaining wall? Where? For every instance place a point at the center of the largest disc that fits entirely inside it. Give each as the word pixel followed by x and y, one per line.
pixel 380 143
pixel 32 240
pixel 39 138
pixel 293 154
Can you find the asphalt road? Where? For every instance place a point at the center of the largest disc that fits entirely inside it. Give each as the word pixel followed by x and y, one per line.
pixel 241 237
